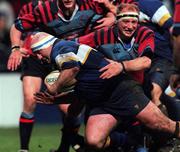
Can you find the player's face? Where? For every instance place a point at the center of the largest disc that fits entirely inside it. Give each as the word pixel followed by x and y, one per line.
pixel 69 3
pixel 42 57
pixel 127 27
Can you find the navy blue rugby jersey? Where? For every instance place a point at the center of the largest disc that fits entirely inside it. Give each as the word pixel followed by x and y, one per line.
pixel 155 15
pixel 68 54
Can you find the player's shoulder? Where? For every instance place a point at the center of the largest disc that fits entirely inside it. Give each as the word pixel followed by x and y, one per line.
pixel 144 29
pixel 65 46
pixel 149 7
pixel 142 33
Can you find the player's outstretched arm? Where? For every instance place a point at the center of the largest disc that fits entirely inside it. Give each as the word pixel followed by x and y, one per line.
pixel 114 68
pixel 17 53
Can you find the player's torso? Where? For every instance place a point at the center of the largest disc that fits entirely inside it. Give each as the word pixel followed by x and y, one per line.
pixel 74 27
pixel 78 23
pixel 118 50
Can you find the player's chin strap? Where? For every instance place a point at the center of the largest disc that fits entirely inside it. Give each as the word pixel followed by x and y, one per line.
pixel 176 132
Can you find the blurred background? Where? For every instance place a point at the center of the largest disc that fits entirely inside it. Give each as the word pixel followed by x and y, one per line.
pixel 10 83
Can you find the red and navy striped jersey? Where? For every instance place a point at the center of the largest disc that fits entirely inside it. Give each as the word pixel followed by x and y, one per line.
pixel 47 16
pixel 28 7
pixel 107 41
pixel 144 37
pixel 176 26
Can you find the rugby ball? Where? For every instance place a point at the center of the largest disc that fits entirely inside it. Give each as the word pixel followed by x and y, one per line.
pixel 52 77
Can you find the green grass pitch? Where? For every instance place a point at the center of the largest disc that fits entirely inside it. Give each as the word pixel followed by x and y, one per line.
pixel 44 137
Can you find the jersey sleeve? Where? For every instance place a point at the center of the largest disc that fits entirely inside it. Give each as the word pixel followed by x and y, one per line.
pixel 145 39
pixel 98 7
pixel 156 12
pixel 88 39
pixel 71 54
pixel 95 6
pixel 98 37
pixel 26 9
pixel 32 17
pixel 25 22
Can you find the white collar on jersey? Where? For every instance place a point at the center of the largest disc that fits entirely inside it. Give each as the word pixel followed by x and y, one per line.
pixel 72 16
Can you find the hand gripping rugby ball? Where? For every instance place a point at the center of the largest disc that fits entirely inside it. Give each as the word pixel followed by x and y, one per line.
pixel 52 77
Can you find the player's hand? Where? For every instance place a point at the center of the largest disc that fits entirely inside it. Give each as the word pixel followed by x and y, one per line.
pixel 15 59
pixel 104 22
pixel 175 81
pixel 44 97
pixel 47 98
pixel 112 69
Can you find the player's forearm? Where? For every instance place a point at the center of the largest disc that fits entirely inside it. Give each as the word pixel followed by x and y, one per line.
pixel 137 64
pixel 15 36
pixel 66 76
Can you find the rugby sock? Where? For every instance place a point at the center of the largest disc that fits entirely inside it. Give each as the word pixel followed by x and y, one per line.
pixel 123 139
pixel 117 139
pixel 73 124
pixel 70 136
pixel 64 145
pixel 26 122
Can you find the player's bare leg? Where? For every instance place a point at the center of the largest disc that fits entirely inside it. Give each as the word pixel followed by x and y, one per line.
pixel 152 117
pixel 70 136
pixel 31 85
pixel 98 128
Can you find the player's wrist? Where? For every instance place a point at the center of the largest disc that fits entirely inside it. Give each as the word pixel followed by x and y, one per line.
pixel 123 67
pixel 15 48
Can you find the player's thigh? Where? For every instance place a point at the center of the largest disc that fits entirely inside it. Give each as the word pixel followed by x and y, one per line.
pixel 33 72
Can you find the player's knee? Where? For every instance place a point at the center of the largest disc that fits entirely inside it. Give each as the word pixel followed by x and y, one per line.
pixel 156 89
pixel 64 108
pixel 94 142
pixel 156 92
pixel 29 103
pixel 29 98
